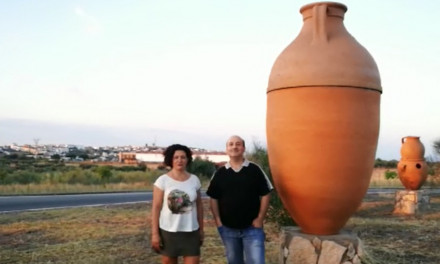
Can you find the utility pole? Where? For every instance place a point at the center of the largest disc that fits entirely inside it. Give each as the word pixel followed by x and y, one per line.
pixel 36 141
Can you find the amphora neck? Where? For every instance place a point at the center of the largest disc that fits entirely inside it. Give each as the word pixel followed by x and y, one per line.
pixel 322 15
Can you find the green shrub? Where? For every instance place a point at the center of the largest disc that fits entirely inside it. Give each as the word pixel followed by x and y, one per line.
pixel 3 174
pixel 130 176
pixel 276 212
pixel 22 177
pixel 91 178
pixel 105 172
pixel 141 167
pixel 17 169
pixel 86 166
pixel 389 175
pixel 75 176
pixel 202 168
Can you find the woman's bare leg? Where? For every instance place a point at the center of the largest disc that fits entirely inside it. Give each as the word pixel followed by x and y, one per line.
pixel 168 260
pixel 191 260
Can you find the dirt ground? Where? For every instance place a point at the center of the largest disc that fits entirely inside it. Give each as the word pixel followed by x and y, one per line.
pixel 120 234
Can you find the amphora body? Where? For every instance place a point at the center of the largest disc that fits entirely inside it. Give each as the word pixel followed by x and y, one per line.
pixel 412 167
pixel 322 124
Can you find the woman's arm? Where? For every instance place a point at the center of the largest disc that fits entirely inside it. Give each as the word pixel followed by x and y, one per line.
pixel 155 212
pixel 200 216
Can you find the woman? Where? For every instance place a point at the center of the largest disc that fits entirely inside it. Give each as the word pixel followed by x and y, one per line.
pixel 177 212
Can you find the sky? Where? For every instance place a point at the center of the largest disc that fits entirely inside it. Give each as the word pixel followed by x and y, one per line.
pixel 195 71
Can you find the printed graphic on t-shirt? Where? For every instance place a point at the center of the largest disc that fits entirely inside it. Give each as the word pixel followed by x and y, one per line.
pixel 179 202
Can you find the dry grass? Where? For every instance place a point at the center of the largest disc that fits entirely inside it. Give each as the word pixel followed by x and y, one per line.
pixel 120 234
pixel 378 179
pixel 110 234
pixel 391 239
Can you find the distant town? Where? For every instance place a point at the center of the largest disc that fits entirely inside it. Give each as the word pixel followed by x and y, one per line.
pixel 150 155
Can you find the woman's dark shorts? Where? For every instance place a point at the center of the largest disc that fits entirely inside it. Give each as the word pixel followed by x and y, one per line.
pixel 175 244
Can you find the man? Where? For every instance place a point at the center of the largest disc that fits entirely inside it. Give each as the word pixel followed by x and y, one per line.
pixel 239 197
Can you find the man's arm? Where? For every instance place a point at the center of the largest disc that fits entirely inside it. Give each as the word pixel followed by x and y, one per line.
pixel 264 205
pixel 215 211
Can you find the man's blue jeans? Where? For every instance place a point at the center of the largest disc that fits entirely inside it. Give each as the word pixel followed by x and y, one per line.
pixel 243 245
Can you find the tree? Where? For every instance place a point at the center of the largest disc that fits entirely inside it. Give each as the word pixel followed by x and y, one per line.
pixel 56 157
pixel 202 167
pixel 379 163
pixel 75 152
pixel 276 211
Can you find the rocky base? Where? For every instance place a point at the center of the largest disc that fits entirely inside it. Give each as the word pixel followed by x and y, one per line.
pixel 409 202
pixel 296 247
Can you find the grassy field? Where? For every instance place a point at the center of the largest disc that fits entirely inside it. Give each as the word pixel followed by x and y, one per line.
pixel 120 234
pixel 391 239
pixel 145 183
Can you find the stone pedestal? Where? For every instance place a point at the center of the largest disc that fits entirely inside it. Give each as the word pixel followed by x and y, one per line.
pixel 299 248
pixel 409 202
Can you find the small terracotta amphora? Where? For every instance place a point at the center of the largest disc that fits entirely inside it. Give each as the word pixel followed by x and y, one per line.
pixel 412 148
pixel 412 167
pixel 322 123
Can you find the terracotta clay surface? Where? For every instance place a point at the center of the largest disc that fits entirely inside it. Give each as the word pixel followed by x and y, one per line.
pixel 412 167
pixel 322 121
pixel 324 54
pixel 412 148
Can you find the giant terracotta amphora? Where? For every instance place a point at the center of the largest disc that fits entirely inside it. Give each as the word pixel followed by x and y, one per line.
pixel 322 124
pixel 412 167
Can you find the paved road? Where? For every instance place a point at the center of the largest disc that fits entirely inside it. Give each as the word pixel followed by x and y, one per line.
pixel 42 202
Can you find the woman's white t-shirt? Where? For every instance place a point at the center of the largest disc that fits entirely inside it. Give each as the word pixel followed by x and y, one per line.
pixel 179 208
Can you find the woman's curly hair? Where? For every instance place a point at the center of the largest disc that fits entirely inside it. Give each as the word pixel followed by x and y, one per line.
pixel 169 153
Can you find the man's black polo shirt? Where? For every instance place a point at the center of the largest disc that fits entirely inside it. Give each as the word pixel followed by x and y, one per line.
pixel 238 193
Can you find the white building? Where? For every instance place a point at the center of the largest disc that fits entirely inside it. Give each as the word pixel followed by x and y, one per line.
pixel 149 157
pixel 216 157
pixel 157 157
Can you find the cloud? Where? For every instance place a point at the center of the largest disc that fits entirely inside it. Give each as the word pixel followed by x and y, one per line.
pixel 91 23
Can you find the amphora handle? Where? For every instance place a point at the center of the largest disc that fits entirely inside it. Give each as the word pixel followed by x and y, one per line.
pixel 401 167
pixel 319 22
